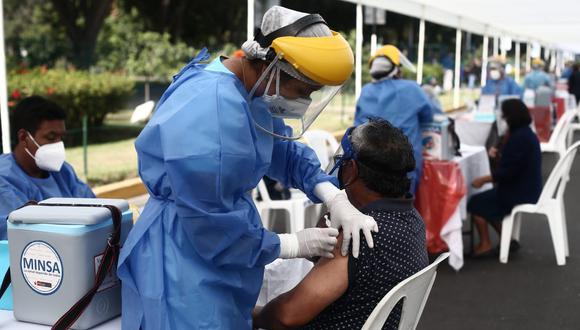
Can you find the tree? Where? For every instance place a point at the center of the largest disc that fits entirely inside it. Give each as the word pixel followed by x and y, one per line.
pixel 83 20
pixel 33 35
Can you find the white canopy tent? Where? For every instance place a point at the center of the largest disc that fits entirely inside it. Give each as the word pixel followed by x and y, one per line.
pixel 554 27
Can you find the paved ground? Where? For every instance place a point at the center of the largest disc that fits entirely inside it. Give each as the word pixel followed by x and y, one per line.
pixel 530 292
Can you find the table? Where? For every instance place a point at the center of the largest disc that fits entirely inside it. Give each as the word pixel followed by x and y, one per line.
pixel 472 163
pixel 7 322
pixel 472 132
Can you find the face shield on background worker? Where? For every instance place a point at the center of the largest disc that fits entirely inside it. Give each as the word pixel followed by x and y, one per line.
pixel 301 54
pixel 388 62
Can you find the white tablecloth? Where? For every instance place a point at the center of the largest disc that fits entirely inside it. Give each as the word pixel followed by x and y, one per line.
pixel 473 163
pixel 471 132
pixel 7 322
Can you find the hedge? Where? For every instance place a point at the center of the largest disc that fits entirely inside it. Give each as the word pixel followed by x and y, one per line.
pixel 78 92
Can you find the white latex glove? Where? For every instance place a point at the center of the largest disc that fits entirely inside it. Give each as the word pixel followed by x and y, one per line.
pixel 308 243
pixel 352 221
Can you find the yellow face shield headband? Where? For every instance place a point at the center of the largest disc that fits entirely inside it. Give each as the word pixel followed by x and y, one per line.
pixel 325 60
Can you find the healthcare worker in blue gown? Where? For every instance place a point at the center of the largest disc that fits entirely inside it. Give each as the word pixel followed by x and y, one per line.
pixel 196 256
pixel 36 169
pixel 402 102
pixel 497 82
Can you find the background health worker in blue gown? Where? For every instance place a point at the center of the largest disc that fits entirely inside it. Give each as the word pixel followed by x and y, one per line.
pixel 196 256
pixel 402 102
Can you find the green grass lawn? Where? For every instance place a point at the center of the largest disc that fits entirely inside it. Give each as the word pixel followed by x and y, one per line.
pixel 115 161
pixel 107 162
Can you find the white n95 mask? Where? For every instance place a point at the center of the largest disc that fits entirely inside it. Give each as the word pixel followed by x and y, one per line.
pixel 281 107
pixel 48 157
pixel 494 74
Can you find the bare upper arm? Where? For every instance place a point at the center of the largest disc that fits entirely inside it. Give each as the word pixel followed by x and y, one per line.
pixel 323 285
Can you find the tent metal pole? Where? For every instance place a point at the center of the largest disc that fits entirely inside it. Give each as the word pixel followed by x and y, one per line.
pixel 484 57
pixel 457 75
pixel 4 118
pixel 358 55
pixel 517 62
pixel 250 20
pixel 421 51
pixel 528 57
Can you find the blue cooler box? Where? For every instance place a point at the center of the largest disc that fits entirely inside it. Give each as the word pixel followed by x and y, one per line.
pixel 6 300
pixel 55 252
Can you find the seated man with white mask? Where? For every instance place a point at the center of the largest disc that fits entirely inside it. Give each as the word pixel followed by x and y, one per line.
pixel 36 169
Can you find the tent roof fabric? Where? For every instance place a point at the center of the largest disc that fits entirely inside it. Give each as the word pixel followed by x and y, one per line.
pixel 554 25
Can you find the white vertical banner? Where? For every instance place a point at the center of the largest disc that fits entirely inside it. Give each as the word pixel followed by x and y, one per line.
pixel 250 25
pixel 421 51
pixel 4 118
pixel 457 82
pixel 495 46
pixel 484 58
pixel 517 62
pixel 358 50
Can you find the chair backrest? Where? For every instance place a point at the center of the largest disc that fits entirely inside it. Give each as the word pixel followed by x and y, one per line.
pixel 414 291
pixel 142 112
pixel 324 145
pixel 560 133
pixel 556 183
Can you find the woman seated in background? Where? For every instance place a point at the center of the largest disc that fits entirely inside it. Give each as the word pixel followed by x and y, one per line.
pixel 517 178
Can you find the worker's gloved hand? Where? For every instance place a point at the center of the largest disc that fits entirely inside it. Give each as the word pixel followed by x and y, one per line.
pixel 308 243
pixel 352 221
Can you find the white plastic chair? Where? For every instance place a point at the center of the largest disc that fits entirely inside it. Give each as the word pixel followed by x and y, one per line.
pixel 551 204
pixel 414 291
pixel 573 126
pixel 142 112
pixel 324 145
pixel 296 207
pixel 560 136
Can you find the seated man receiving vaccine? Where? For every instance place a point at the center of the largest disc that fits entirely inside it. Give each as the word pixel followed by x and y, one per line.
pixel 341 293
pixel 36 169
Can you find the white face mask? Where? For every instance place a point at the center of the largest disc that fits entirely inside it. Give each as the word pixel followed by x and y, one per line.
pixel 494 74
pixel 48 157
pixel 281 107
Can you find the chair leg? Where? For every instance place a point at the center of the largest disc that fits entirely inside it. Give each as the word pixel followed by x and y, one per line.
pixel 564 228
pixel 557 233
pixel 265 215
pixel 517 227
pixel 506 235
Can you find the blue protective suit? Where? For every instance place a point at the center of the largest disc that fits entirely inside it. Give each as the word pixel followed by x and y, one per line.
pixel 537 78
pixel 17 188
pixel 404 104
pixel 504 86
pixel 196 256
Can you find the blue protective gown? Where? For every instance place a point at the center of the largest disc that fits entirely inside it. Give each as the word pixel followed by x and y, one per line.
pixel 404 104
pixel 504 86
pixel 196 256
pixel 537 78
pixel 17 188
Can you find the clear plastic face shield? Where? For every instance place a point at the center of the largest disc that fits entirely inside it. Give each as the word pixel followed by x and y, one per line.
pixel 344 153
pixel 298 108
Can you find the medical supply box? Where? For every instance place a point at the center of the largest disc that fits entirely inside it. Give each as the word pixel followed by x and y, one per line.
pixel 437 141
pixel 55 252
